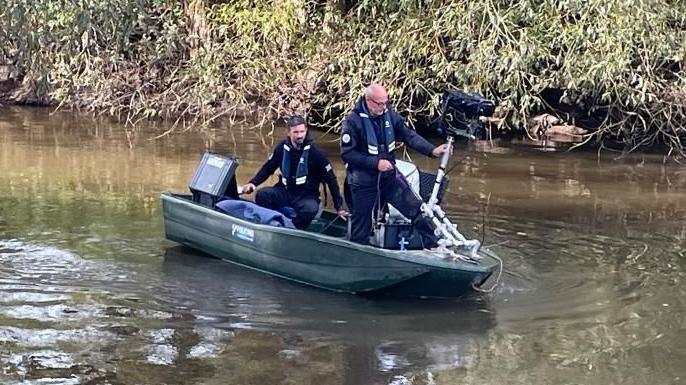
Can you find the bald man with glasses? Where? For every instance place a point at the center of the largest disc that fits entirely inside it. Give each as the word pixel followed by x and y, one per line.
pixel 369 136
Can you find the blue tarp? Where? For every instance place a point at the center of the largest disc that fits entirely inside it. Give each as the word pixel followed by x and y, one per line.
pixel 251 212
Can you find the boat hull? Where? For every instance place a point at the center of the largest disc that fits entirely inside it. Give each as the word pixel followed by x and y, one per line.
pixel 317 259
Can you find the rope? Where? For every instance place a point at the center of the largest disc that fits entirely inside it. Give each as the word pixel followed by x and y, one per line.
pixel 483 236
pixel 459 161
pixel 377 204
pixel 483 224
pixel 329 224
pixel 497 279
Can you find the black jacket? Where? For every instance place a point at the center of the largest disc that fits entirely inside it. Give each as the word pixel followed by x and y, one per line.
pixel 319 170
pixel 362 166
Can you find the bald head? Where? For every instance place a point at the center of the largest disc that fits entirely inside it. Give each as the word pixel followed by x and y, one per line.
pixel 374 89
pixel 376 99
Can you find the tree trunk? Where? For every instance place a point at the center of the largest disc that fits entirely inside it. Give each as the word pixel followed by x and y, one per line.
pixel 198 31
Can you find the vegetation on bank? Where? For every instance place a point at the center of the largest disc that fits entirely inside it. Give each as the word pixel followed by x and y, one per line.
pixel 615 67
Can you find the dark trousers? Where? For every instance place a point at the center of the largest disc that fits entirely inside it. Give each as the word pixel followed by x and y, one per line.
pixel 393 190
pixel 305 205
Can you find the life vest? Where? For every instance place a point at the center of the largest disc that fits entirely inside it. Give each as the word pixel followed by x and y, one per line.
pixel 301 172
pixel 372 140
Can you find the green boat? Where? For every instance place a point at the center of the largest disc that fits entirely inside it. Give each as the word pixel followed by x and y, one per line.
pixel 320 255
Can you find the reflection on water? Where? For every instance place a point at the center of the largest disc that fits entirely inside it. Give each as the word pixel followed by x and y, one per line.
pixel 91 293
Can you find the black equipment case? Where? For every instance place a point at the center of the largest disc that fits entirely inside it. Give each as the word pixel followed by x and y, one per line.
pixel 214 179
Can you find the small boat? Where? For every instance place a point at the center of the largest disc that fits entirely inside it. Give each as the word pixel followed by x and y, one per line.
pixel 320 255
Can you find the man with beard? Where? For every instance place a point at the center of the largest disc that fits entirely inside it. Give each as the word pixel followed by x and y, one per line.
pixel 303 168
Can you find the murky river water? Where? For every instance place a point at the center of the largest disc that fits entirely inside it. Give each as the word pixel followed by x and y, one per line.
pixel 91 293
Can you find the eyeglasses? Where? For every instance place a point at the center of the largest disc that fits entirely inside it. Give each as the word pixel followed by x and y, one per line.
pixel 380 104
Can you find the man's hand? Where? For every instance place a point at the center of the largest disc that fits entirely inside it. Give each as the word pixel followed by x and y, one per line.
pixel 384 165
pixel 247 188
pixel 440 150
pixel 343 214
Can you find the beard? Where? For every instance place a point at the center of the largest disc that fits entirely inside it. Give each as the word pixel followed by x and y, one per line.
pixel 297 142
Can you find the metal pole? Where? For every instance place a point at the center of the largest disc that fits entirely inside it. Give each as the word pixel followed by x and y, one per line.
pixel 441 172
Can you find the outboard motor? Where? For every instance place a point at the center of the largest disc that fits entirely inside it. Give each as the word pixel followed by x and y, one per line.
pixel 460 112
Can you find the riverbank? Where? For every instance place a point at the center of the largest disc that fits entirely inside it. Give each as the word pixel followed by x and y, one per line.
pixel 614 70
